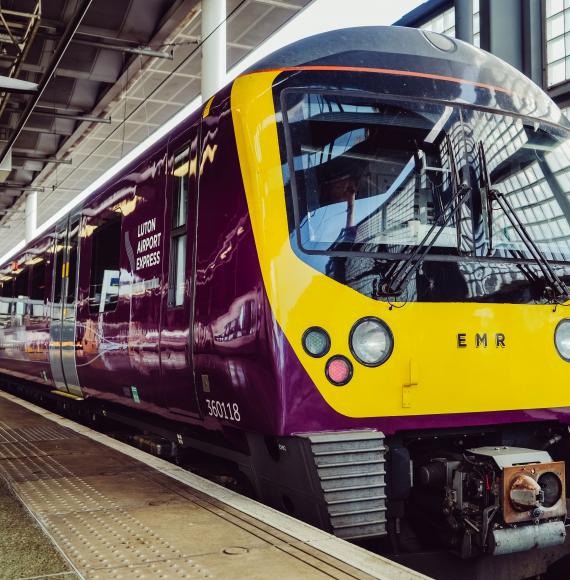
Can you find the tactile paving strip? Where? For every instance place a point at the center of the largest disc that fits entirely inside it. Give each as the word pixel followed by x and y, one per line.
pixel 116 515
pixel 95 532
pixel 154 570
pixel 105 540
pixel 19 463
pixel 98 535
pixel 26 434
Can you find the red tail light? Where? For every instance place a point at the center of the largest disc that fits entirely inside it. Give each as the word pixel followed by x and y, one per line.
pixel 338 370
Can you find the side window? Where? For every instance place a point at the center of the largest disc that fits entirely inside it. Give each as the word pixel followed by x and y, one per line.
pixel 6 293
pixel 21 282
pixel 58 253
pixel 72 262
pixel 38 289
pixel 177 274
pixel 6 287
pixel 104 281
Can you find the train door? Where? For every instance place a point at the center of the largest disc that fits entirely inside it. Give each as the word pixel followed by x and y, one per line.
pixel 64 307
pixel 103 313
pixel 177 376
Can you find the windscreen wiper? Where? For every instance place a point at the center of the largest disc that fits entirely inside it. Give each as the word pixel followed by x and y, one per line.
pixel 554 288
pixel 397 277
pixel 399 273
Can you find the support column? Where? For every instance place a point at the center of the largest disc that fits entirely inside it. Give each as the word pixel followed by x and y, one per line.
pixel 213 47
pixel 532 40
pixel 502 30
pixel 31 215
pixel 464 20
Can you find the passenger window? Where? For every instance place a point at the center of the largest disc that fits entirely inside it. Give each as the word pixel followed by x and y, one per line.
pixel 38 289
pixel 21 283
pixel 177 274
pixel 72 261
pixel 58 266
pixel 6 287
pixel 106 244
pixel 6 293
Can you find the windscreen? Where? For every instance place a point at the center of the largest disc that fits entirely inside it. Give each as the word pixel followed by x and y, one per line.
pixel 529 163
pixel 371 175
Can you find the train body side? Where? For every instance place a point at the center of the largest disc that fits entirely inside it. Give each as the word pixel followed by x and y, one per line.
pixel 179 291
pixel 242 369
pixel 229 352
pixel 24 336
pixel 205 358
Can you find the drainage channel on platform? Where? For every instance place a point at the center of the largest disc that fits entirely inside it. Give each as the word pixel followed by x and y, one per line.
pixel 117 512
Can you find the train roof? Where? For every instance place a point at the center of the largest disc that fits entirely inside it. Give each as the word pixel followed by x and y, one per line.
pixel 420 51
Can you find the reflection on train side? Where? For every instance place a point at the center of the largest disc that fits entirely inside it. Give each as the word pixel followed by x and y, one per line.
pixel 239 325
pixel 16 306
pixel 5 312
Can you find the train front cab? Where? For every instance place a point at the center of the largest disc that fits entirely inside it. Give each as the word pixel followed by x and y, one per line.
pixel 456 366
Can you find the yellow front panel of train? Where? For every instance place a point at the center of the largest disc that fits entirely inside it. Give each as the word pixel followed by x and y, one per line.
pixel 447 358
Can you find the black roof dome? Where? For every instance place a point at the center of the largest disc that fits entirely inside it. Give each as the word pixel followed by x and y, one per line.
pixel 415 50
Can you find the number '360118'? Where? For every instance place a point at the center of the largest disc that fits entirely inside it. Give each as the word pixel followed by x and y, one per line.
pixel 223 410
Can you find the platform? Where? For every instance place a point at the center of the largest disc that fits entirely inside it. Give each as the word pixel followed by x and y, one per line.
pixel 25 551
pixel 116 512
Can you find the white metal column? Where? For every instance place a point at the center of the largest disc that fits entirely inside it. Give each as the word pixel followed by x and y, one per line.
pixel 213 47
pixel 31 215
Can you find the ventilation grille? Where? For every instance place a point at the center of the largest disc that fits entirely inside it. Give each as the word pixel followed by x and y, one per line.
pixel 351 469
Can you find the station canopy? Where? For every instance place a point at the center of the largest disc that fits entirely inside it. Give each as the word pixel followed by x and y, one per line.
pixel 112 72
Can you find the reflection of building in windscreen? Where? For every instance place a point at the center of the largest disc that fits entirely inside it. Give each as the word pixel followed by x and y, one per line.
pixel 416 196
pixel 484 279
pixel 531 167
pixel 372 173
pixel 363 276
pixel 413 200
pixel 478 279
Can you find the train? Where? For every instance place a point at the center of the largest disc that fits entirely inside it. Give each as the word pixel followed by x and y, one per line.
pixel 346 274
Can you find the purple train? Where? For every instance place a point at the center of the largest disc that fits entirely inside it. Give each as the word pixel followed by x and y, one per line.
pixel 345 274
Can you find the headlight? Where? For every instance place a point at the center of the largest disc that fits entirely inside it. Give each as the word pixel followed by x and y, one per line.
pixel 371 341
pixel 562 339
pixel 316 341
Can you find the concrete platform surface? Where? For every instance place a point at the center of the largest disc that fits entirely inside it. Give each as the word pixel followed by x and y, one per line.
pixel 115 512
pixel 25 551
